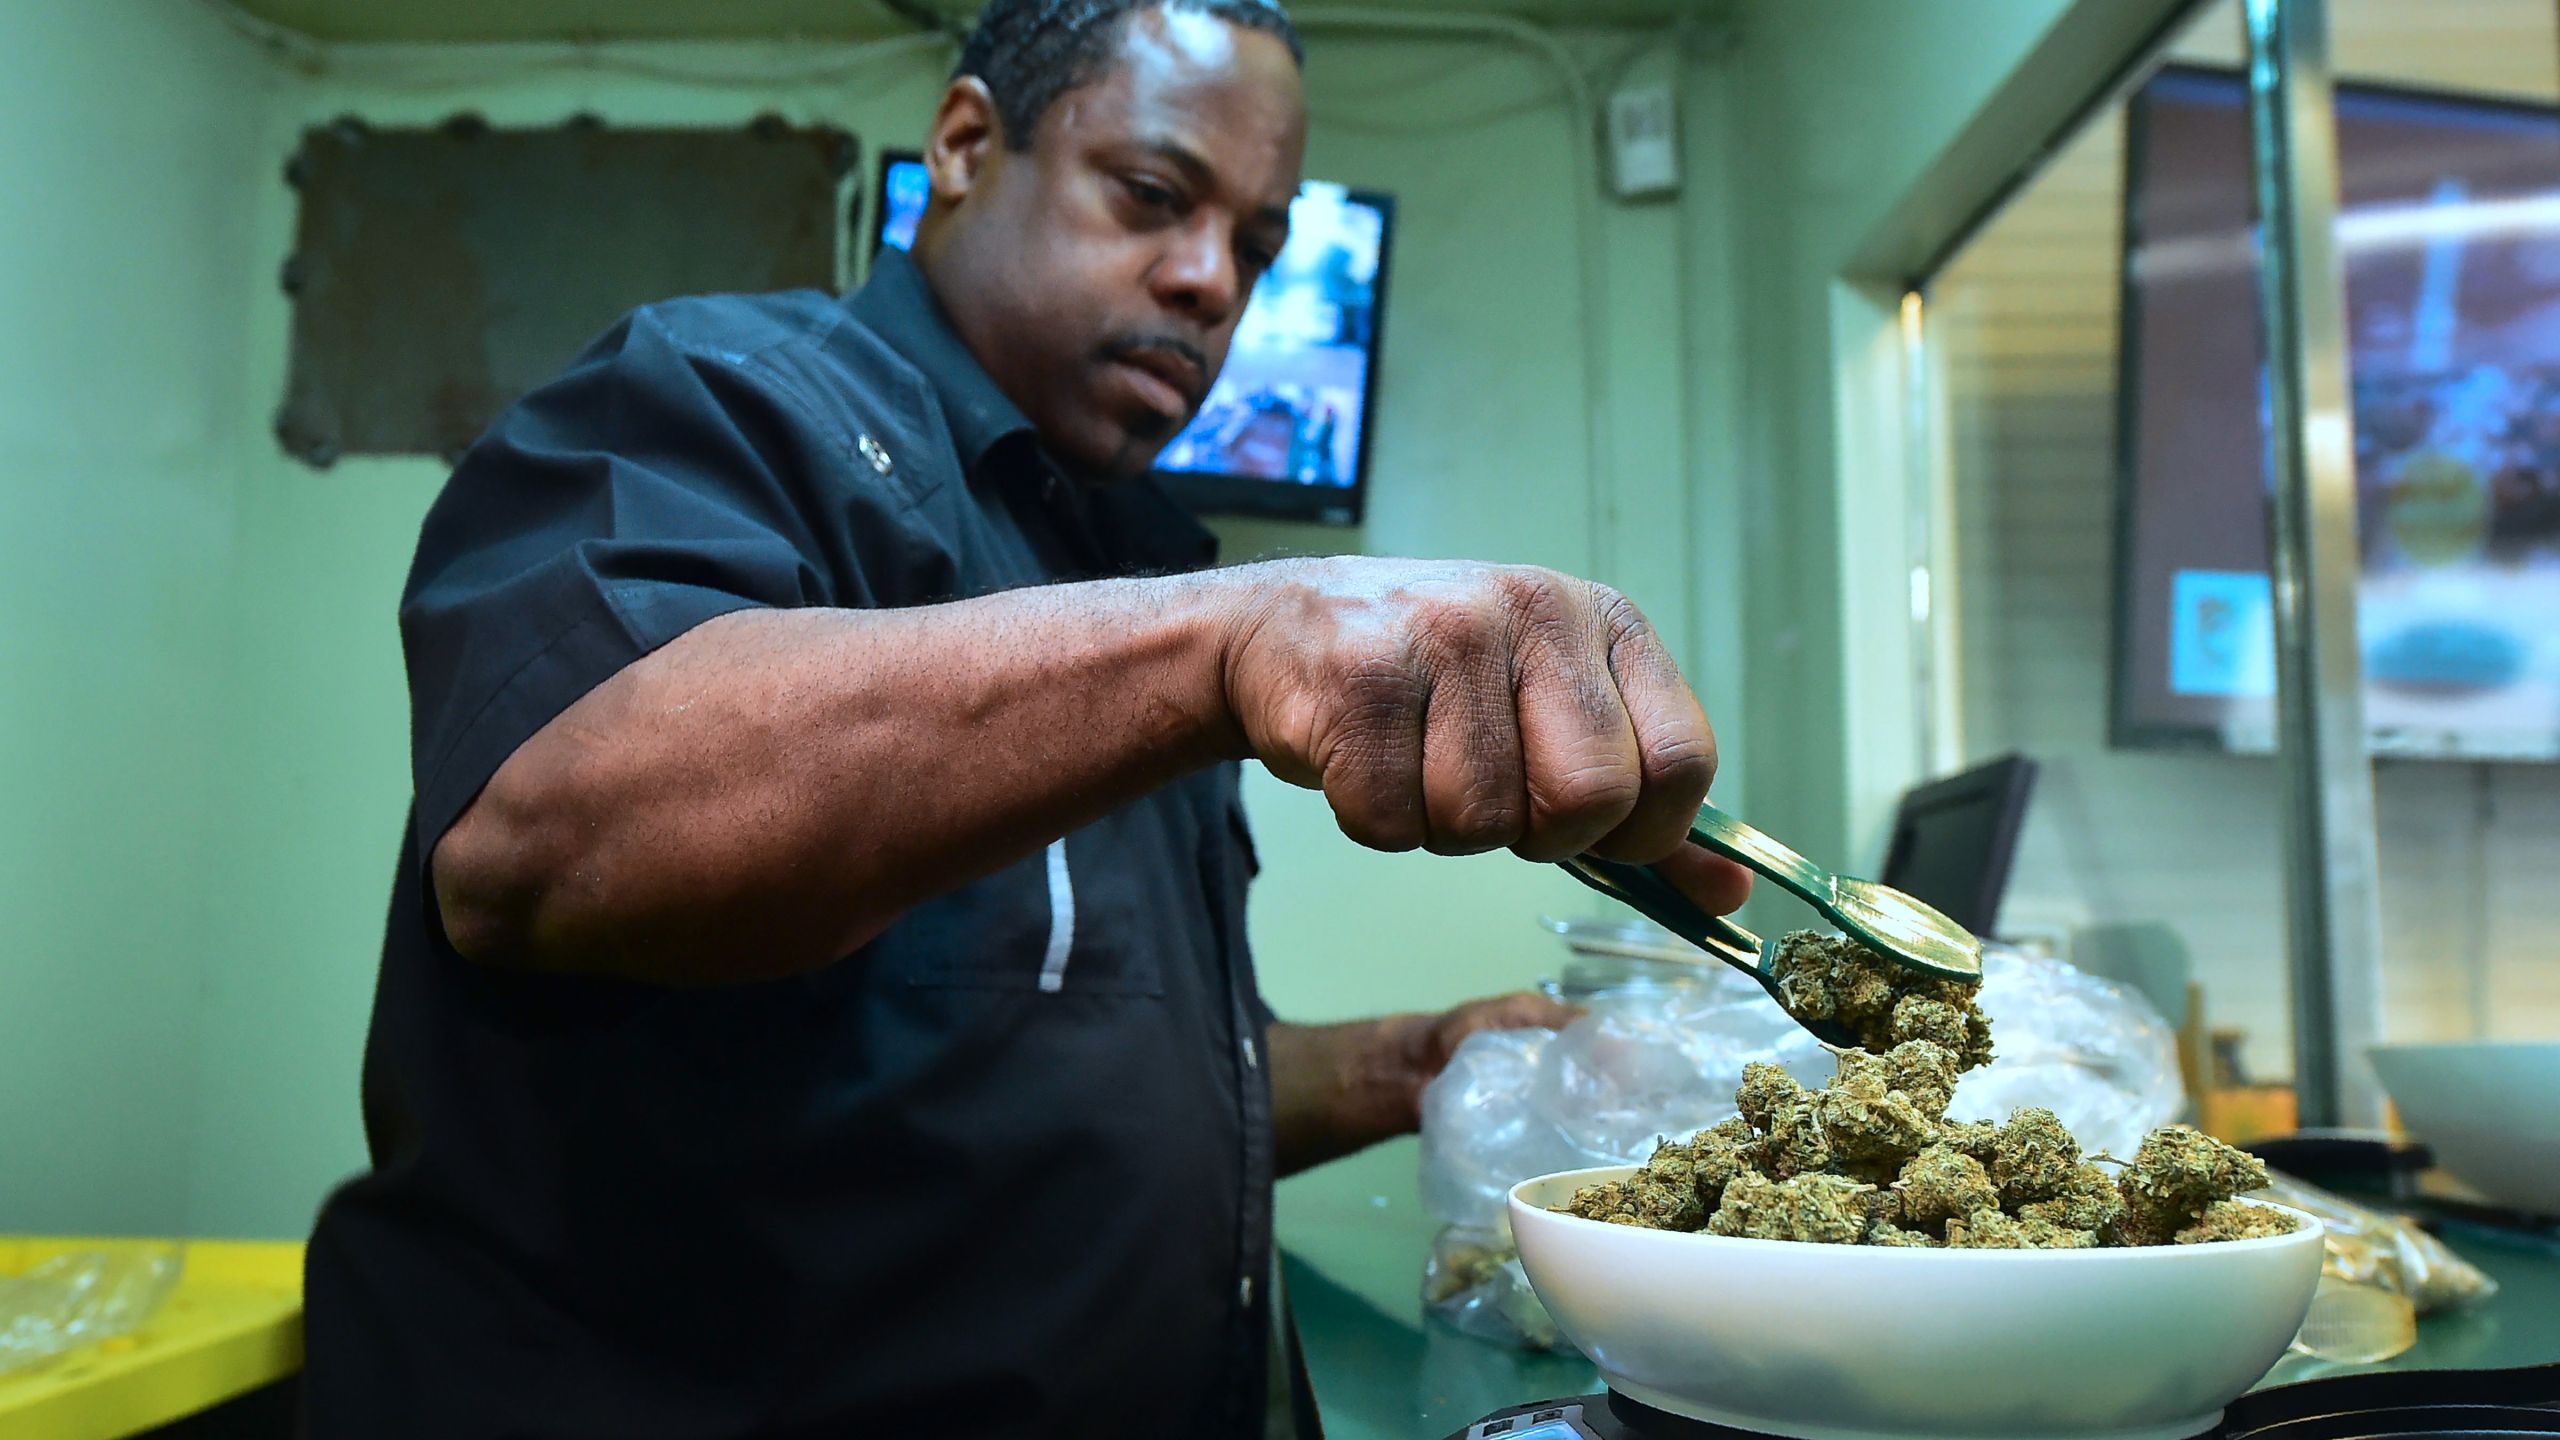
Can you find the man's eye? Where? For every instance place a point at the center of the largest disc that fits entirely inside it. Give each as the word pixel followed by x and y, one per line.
pixel 1258 260
pixel 1149 193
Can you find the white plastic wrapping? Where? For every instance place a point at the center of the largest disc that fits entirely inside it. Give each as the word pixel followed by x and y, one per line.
pixel 2385 1250
pixel 1473 1280
pixel 80 1298
pixel 2089 1050
pixel 1642 1064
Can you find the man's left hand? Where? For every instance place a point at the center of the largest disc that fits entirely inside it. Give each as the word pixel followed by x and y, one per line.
pixel 1340 1088
pixel 1430 1040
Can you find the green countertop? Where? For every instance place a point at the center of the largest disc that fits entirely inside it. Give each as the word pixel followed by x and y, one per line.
pixel 1353 1237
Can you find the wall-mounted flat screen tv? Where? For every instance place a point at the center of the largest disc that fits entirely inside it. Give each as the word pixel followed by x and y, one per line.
pixel 1286 430
pixel 2449 235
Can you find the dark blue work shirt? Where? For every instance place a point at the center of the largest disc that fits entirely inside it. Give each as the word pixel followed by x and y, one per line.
pixel 1004 1171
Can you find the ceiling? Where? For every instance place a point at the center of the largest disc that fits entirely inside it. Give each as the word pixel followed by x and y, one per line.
pixel 469 20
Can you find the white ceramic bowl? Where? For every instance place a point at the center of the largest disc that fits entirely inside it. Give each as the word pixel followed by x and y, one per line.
pixel 2486 1109
pixel 1848 1342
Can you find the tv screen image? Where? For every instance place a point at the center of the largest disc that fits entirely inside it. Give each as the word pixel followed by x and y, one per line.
pixel 2449 235
pixel 1285 431
pixel 904 188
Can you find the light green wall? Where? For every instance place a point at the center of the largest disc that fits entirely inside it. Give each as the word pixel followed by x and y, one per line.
pixel 1836 108
pixel 312 785
pixel 134 125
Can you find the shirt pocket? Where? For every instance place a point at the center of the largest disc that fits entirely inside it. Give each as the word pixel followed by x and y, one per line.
pixel 1068 921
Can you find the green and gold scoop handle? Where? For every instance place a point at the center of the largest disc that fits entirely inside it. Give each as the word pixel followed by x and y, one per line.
pixel 1887 921
pixel 1658 900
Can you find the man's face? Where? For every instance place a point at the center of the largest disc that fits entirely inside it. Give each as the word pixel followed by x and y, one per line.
pixel 1099 274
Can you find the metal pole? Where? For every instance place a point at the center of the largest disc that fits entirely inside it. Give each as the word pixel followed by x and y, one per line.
pixel 1920 539
pixel 2334 929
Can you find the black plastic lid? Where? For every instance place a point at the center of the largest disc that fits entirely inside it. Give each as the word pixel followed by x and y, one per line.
pixel 2385 1405
pixel 2392 1404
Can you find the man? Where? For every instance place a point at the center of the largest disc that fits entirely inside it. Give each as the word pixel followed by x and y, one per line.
pixel 815 1000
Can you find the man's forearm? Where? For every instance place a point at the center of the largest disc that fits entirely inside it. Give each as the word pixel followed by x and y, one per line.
pixel 764 794
pixel 1336 1089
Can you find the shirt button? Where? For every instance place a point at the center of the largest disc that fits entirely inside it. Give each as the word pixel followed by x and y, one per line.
pixel 1252 1058
pixel 1244 1292
pixel 873 451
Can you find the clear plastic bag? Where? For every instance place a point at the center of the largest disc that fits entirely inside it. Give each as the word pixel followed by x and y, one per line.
pixel 1473 1281
pixel 2093 1052
pixel 1640 1065
pixel 1661 1060
pixel 2380 1274
pixel 1478 1128
pixel 2378 1248
pixel 80 1298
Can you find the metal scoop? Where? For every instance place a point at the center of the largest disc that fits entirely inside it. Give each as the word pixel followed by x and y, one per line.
pixel 1885 920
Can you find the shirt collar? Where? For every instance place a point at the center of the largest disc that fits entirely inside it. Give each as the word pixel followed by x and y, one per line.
pixel 898 305
pixel 1151 530
pixel 1131 525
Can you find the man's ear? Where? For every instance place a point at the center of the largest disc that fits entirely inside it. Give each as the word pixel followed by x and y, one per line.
pixel 966 131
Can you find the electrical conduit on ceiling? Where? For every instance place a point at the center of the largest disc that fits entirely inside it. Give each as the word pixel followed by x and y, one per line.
pixel 413 65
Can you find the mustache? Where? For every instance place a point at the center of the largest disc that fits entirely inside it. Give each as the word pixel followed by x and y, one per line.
pixel 1136 348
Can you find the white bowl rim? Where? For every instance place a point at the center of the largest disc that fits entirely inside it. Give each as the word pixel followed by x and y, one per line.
pixel 2307 1229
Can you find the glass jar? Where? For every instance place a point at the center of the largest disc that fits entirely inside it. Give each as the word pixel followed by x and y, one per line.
pixel 1618 956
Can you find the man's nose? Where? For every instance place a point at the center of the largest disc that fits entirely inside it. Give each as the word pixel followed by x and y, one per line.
pixel 1198 274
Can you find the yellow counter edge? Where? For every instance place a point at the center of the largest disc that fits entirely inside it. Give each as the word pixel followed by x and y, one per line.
pixel 233 1324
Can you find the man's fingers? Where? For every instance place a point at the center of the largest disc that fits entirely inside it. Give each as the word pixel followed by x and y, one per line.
pixel 1674 746
pixel 1712 883
pixel 1469 708
pixel 1520 1010
pixel 1475 793
pixel 1372 760
pixel 1579 748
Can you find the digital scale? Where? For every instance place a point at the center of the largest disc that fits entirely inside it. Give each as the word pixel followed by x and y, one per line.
pixel 2397 1405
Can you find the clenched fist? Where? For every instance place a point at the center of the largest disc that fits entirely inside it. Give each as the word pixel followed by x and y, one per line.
pixel 1461 708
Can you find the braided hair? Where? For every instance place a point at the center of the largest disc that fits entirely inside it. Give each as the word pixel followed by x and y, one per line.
pixel 1030 52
